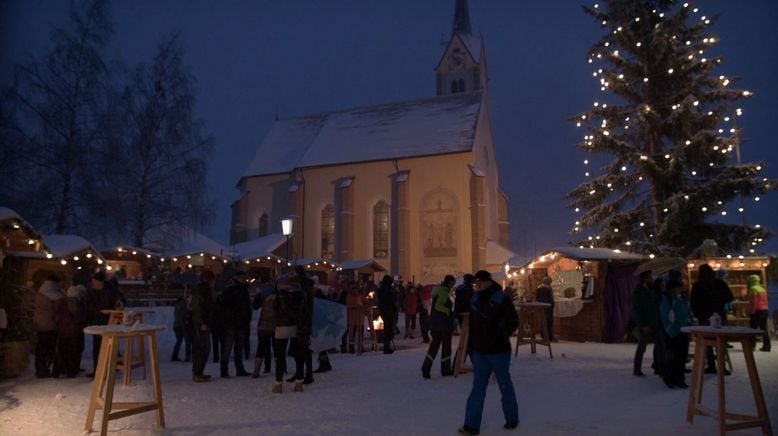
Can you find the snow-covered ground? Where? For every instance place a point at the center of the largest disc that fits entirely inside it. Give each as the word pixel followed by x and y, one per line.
pixel 588 388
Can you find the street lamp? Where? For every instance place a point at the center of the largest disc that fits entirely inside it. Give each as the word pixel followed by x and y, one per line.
pixel 286 229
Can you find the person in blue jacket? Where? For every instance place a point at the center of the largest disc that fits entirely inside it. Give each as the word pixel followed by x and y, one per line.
pixel 493 320
pixel 675 313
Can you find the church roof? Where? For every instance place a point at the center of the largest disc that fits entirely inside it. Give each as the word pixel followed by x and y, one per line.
pixel 438 125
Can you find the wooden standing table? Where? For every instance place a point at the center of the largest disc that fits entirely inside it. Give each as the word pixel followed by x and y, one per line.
pixel 105 375
pixel 717 337
pixel 134 355
pixel 532 320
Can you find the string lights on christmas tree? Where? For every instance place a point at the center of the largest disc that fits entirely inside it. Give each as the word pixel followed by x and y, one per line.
pixel 668 124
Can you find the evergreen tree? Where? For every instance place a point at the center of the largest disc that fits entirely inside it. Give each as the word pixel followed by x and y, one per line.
pixel 667 133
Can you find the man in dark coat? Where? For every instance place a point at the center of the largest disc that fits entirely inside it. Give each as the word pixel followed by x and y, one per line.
pixel 305 327
pixel 545 294
pixel 493 320
pixel 100 296
pixel 388 309
pixel 710 295
pixel 202 318
pixel 235 314
pixel 645 314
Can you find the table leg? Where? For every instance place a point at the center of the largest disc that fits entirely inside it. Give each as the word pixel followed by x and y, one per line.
pixel 142 356
pixel 547 335
pixel 110 383
pixel 721 348
pixel 155 382
pixel 97 384
pixel 695 391
pixel 756 387
pixel 128 358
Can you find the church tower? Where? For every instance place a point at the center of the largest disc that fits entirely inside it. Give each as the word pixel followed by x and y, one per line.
pixel 462 68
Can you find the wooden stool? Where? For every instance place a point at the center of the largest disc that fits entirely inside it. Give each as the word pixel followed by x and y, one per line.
pixel 718 337
pixel 532 321
pixel 105 375
pixel 133 354
pixel 464 336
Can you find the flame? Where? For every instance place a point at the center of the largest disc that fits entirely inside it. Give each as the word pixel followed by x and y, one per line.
pixel 378 324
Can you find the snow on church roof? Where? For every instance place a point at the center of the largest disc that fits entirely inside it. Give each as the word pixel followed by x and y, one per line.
pixel 431 126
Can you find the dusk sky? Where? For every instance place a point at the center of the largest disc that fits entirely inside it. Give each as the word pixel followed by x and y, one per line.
pixel 256 59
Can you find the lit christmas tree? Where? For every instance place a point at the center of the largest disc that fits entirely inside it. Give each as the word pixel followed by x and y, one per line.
pixel 667 127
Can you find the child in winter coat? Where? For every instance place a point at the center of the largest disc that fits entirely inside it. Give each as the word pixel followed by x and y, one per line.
pixel 411 309
pixel 71 320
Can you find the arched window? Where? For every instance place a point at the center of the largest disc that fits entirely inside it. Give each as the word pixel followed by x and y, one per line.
pixel 328 232
pixel 263 227
pixel 457 85
pixel 381 229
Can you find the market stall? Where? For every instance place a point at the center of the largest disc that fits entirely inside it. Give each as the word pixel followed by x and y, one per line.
pixel 592 290
pixel 139 273
pixel 364 269
pixel 735 271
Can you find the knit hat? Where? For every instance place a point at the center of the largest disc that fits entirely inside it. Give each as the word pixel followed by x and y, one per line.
pixel 483 276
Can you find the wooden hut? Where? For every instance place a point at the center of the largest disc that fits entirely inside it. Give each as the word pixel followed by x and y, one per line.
pixel 592 290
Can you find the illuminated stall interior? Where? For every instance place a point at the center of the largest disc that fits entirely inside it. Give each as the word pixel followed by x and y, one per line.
pixel 589 288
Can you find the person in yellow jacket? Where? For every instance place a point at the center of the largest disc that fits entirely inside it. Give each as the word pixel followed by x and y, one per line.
pixel 757 307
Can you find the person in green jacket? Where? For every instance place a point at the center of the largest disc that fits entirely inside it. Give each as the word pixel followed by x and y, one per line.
pixel 757 307
pixel 645 314
pixel 442 323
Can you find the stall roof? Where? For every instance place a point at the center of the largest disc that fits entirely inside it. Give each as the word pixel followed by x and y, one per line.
pixel 313 262
pixel 62 246
pixel 496 254
pixel 597 253
pixel 15 223
pixel 260 247
pixel 65 245
pixel 196 243
pixel 129 249
pixel 578 253
pixel 360 264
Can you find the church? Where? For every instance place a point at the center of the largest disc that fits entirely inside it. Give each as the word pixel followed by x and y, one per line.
pixel 412 185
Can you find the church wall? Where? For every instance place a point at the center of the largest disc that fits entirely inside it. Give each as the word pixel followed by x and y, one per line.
pixel 442 177
pixel 485 159
pixel 266 194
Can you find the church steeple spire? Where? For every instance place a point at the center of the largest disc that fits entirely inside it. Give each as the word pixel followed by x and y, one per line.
pixel 461 18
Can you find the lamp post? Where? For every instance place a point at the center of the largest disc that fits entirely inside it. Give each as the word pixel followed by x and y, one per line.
pixel 286 229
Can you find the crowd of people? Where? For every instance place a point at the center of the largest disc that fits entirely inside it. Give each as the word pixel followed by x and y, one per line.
pixel 60 317
pixel 661 308
pixel 216 319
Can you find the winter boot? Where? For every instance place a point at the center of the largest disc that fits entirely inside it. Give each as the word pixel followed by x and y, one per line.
pixel 257 368
pixel 278 388
pixel 298 386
